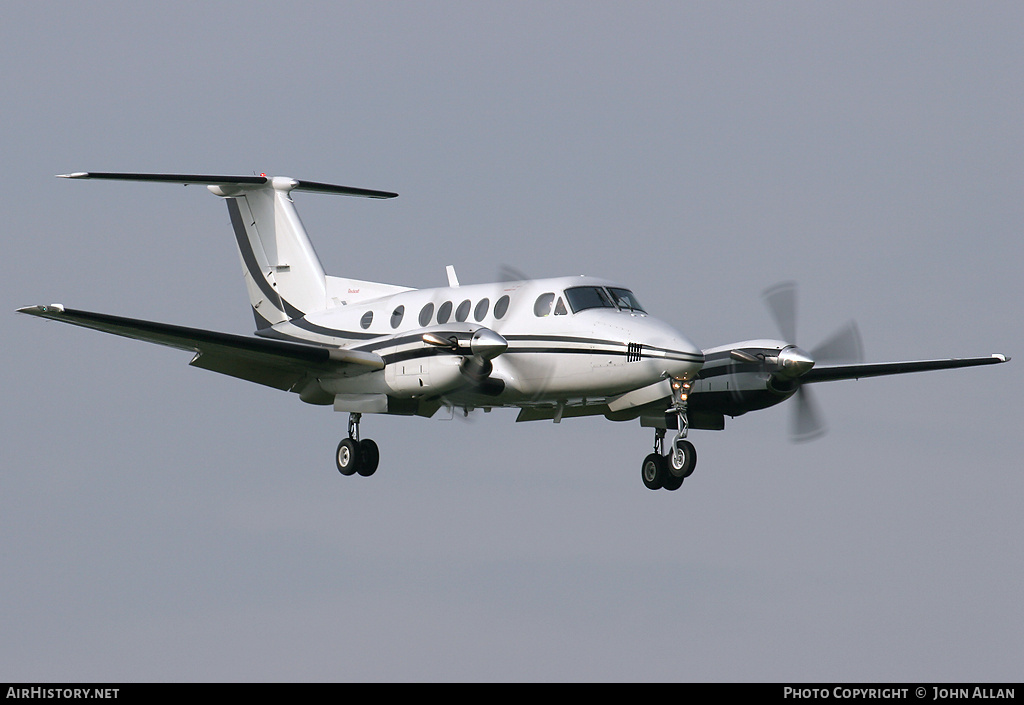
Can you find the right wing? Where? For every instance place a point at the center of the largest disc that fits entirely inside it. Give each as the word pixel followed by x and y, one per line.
pixel 272 363
pixel 878 369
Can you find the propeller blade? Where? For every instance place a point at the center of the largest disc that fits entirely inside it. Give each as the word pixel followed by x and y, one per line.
pixel 807 421
pixel 508 273
pixel 844 346
pixel 781 302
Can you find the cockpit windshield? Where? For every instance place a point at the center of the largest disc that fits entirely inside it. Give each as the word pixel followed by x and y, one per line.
pixel 625 300
pixel 583 297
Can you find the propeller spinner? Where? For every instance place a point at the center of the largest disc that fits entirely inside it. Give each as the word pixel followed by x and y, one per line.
pixel 477 350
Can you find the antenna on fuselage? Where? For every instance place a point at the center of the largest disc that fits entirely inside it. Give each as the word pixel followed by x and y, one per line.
pixel 453 279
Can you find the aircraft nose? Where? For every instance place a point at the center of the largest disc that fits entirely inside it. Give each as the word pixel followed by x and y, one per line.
pixel 664 349
pixel 695 355
pixel 682 357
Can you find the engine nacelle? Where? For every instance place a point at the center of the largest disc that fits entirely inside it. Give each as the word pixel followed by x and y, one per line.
pixel 434 374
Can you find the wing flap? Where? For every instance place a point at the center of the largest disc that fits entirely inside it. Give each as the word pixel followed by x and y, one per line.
pixel 279 375
pixel 272 363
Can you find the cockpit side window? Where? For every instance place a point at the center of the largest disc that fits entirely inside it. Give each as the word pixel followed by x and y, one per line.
pixel 625 300
pixel 560 308
pixel 583 297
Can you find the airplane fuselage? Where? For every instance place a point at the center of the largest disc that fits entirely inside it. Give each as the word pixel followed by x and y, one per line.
pixel 568 339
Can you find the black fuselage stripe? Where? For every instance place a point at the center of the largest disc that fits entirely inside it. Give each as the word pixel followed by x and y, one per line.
pixel 599 341
pixel 723 370
pixel 617 348
pixel 249 257
pixel 431 351
pixel 305 324
pixel 402 339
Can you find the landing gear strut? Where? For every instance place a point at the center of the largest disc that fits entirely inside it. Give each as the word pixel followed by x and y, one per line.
pixel 668 470
pixel 355 455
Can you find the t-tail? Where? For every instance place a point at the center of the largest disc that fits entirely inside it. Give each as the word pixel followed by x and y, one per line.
pixel 283 274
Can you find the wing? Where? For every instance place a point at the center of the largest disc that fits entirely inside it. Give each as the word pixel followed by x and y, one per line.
pixel 272 363
pixel 878 369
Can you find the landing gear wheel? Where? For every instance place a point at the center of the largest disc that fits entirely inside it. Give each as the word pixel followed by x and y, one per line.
pixel 653 471
pixel 672 482
pixel 348 457
pixel 369 456
pixel 681 464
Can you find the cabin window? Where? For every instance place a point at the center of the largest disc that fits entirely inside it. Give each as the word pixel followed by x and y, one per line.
pixel 625 300
pixel 583 297
pixel 444 312
pixel 481 310
pixel 396 316
pixel 425 314
pixel 366 320
pixel 543 305
pixel 462 312
pixel 501 307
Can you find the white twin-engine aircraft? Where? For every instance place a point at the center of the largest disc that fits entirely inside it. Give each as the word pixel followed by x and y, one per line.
pixel 553 348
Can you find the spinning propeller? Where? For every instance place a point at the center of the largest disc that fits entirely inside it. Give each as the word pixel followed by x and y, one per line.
pixel 843 346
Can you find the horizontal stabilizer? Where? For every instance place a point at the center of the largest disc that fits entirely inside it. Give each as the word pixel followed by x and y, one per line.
pixel 273 363
pixel 215 180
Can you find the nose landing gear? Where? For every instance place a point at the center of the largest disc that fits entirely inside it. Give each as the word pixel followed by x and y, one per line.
pixel 668 470
pixel 355 455
pixel 662 470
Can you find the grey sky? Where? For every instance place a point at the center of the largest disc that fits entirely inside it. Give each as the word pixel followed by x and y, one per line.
pixel 164 523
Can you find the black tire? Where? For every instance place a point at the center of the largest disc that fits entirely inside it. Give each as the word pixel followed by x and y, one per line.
pixel 689 460
pixel 348 457
pixel 652 472
pixel 672 482
pixel 369 456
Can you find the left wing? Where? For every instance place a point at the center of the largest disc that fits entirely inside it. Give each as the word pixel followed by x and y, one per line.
pixel 272 363
pixel 878 369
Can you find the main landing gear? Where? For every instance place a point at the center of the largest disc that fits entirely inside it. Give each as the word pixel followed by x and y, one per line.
pixel 355 455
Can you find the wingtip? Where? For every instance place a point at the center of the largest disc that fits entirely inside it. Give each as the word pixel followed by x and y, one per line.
pixel 74 175
pixel 1001 358
pixel 42 309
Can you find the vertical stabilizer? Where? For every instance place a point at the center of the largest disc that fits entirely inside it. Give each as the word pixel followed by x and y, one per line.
pixel 283 275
